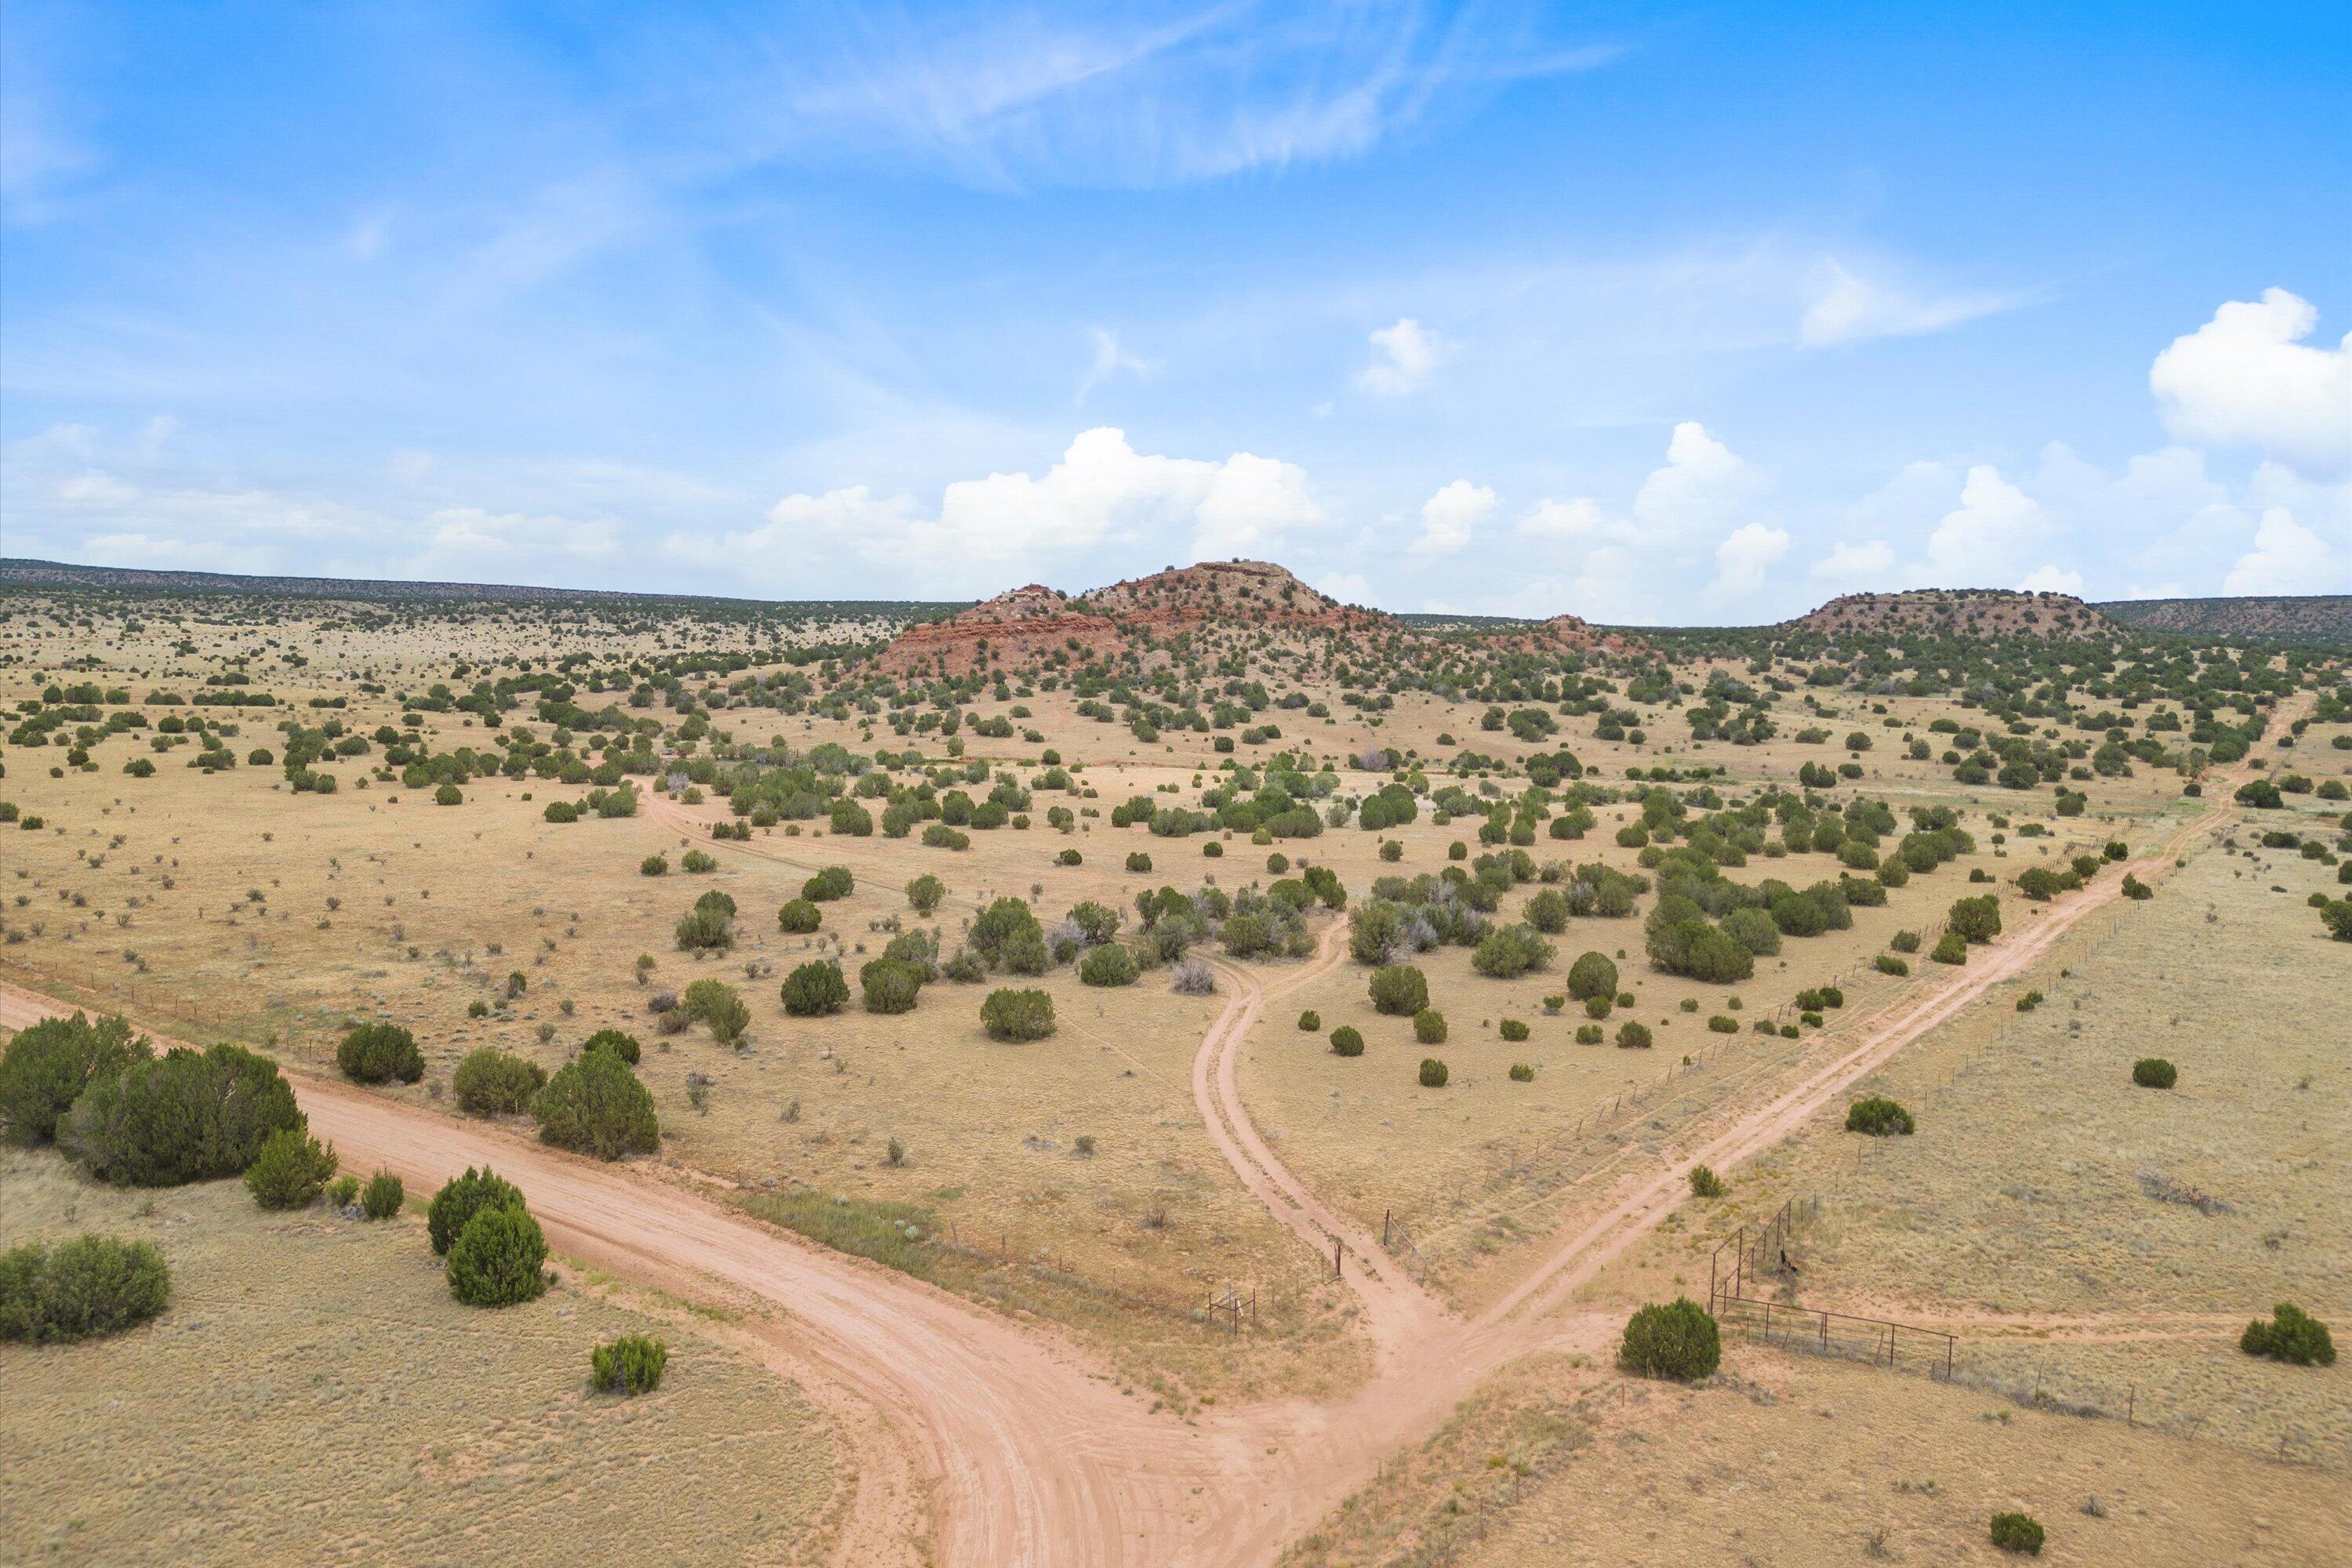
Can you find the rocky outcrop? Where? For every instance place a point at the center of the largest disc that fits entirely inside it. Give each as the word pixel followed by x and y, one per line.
pixel 1031 625
pixel 1246 592
pixel 1024 626
pixel 1576 632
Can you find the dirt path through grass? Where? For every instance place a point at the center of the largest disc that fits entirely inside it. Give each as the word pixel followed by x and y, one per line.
pixel 1031 1454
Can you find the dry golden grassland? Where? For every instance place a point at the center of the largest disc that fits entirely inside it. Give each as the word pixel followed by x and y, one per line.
pixel 372 901
pixel 2044 1208
pixel 1805 1461
pixel 1799 1460
pixel 312 1394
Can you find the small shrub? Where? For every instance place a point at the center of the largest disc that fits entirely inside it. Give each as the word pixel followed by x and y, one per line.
pixel 492 1082
pixel 799 917
pixel 1193 977
pixel 1112 964
pixel 620 1042
pixel 1676 1339
pixel 654 865
pixel 1905 942
pixel 2017 1532
pixel 1512 1029
pixel 815 989
pixel 1705 1182
pixel 833 882
pixel 1592 975
pixel 383 1196
pixel 1888 964
pixel 1433 1073
pixel 1347 1041
pixel 594 1105
pixel 1428 1026
pixel 499 1259
pixel 925 893
pixel 1310 1022
pixel 716 1003
pixel 1399 989
pixel 2155 1072
pixel 1589 1035
pixel 1017 1015
pixel 890 985
pixel 1879 1117
pixel 342 1192
pixel 90 1286
pixel 1950 948
pixel 448 795
pixel 290 1171
pixel 461 1198
pixel 378 1052
pixel 695 863
pixel 2291 1335
pixel 1723 1024
pixel 631 1364
pixel 1522 1073
pixel 1632 1037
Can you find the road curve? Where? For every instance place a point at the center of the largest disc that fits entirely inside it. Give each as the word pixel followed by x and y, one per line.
pixel 1031 1456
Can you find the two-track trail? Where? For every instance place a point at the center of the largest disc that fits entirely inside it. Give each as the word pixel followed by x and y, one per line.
pixel 1025 1451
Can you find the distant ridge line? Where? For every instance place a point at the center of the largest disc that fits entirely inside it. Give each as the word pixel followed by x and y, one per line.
pixel 22 572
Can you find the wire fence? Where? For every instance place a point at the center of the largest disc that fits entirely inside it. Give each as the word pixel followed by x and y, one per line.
pixel 1230 1305
pixel 1749 1261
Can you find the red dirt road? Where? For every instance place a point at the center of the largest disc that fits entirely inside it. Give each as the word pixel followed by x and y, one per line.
pixel 1026 1450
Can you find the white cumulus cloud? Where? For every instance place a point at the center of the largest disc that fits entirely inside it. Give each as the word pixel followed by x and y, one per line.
pixel 1013 525
pixel 1995 523
pixel 1403 358
pixel 1856 565
pixel 1743 558
pixel 1447 516
pixel 2246 378
pixel 2050 579
pixel 1702 488
pixel 2287 558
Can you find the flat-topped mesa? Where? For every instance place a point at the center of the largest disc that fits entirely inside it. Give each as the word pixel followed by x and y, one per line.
pixel 1022 626
pixel 1959 612
pixel 1246 592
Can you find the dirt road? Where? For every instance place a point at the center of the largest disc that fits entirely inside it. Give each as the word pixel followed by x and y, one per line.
pixel 1027 1452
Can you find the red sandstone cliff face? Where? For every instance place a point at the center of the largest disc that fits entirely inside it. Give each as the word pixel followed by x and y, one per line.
pixel 1022 626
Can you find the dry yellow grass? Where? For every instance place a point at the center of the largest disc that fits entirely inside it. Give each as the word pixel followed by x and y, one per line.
pixel 375 903
pixel 312 1394
pixel 1803 1461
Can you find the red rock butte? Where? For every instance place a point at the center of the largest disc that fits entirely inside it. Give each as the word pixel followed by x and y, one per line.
pixel 1035 623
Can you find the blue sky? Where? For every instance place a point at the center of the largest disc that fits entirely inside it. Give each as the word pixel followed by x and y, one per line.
pixel 1654 314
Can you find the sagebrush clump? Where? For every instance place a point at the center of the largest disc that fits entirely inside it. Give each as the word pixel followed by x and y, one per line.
pixel 631 1364
pixel 83 1289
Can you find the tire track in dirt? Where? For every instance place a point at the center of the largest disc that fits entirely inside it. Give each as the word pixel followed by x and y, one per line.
pixel 1399 1312
pixel 1030 1454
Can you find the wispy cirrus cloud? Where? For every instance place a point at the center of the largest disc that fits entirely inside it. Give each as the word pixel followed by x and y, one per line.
pixel 1012 101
